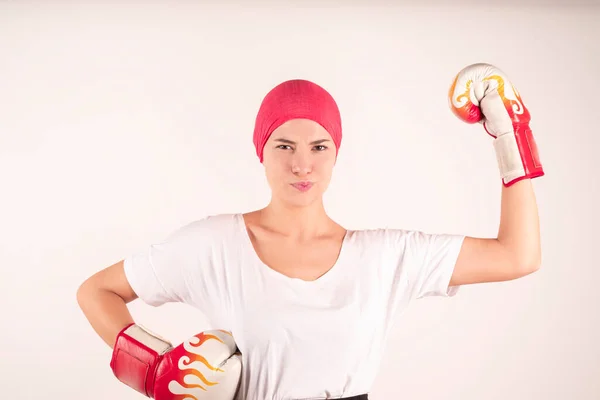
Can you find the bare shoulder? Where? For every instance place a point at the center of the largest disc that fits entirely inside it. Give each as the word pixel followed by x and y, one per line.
pixel 339 232
pixel 251 218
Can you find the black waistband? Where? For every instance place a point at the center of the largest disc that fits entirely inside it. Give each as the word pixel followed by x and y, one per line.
pixel 359 397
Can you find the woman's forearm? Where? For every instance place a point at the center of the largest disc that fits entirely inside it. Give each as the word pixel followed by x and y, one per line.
pixel 106 312
pixel 519 230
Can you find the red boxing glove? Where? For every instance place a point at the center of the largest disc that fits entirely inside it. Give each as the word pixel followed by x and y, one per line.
pixel 483 93
pixel 206 366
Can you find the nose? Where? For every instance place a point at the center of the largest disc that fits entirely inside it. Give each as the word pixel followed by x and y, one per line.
pixel 301 164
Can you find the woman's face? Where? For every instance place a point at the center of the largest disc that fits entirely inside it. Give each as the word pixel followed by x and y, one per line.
pixel 298 159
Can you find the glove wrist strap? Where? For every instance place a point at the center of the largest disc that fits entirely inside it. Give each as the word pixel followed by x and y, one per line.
pixel 136 356
pixel 508 158
pixel 517 155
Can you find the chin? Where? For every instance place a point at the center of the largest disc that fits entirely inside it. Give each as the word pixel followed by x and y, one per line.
pixel 293 201
pixel 302 199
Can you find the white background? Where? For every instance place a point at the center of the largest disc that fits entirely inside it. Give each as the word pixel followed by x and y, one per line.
pixel 121 123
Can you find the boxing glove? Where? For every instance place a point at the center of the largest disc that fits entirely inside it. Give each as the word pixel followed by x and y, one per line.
pixel 481 93
pixel 206 366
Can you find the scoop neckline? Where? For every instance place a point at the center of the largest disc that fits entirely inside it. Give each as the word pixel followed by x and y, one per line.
pixel 331 273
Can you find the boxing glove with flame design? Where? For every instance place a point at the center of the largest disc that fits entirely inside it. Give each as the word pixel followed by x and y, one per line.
pixel 482 93
pixel 206 366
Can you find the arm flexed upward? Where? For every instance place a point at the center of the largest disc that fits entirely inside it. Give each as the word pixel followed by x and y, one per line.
pixel 481 93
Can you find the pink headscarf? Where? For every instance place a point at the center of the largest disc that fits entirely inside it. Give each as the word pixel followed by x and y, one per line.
pixel 295 99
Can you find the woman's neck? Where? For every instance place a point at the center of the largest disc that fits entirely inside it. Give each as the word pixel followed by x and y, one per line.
pixel 300 223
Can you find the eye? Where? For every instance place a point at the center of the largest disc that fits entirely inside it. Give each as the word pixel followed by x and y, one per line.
pixel 321 147
pixel 283 147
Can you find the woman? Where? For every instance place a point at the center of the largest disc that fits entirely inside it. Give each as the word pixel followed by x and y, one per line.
pixel 307 302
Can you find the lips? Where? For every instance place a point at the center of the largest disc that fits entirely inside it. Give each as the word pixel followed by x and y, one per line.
pixel 303 186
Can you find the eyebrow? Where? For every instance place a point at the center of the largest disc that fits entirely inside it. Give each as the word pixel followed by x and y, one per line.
pixel 287 141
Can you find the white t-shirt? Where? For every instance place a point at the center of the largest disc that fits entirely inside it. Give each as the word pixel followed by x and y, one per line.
pixel 299 339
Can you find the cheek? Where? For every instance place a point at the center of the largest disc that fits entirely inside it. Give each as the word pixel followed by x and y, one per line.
pixel 274 159
pixel 275 172
pixel 325 166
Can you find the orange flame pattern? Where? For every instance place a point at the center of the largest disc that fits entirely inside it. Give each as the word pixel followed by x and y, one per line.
pixel 511 100
pixel 463 107
pixel 185 357
pixel 467 112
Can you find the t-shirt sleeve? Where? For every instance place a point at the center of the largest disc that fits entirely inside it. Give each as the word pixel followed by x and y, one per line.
pixel 425 261
pixel 161 272
pixel 433 258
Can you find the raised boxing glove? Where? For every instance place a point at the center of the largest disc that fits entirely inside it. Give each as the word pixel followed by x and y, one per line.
pixel 206 366
pixel 482 93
